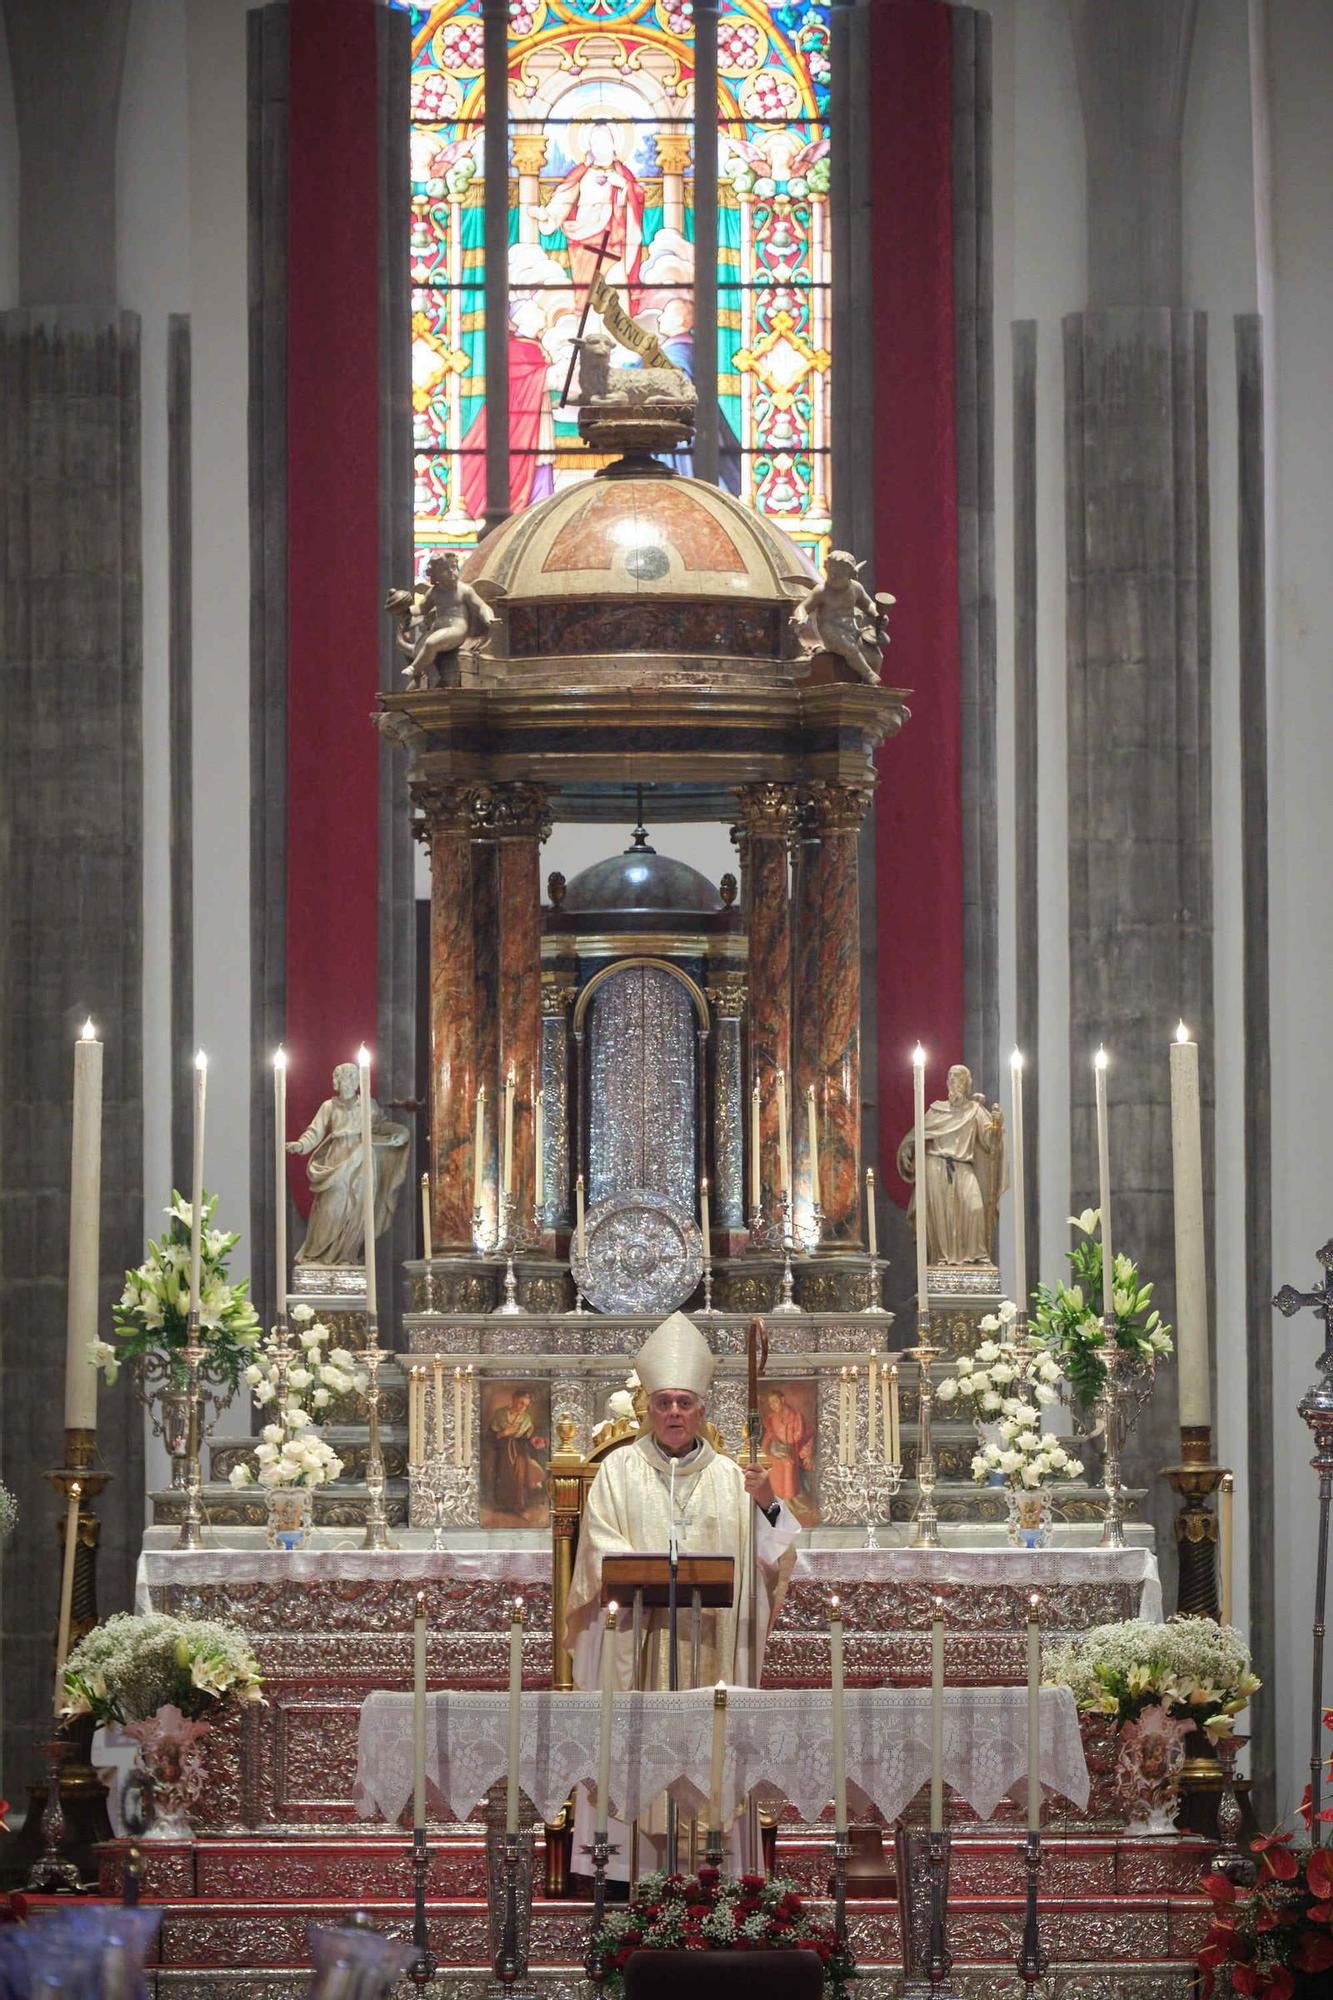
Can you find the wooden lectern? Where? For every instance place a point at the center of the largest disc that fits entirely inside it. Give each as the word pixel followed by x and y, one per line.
pixel 656 1582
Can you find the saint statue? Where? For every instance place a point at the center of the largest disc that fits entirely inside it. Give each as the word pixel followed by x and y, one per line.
pixel 335 1233
pixel 965 1174
pixel 720 1509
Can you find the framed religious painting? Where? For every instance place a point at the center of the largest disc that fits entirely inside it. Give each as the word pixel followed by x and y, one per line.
pixel 787 1410
pixel 515 1445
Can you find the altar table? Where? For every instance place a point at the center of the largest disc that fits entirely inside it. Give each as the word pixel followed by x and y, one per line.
pixel 778 1742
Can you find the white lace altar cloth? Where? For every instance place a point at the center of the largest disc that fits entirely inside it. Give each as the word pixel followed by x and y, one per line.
pixel 778 1742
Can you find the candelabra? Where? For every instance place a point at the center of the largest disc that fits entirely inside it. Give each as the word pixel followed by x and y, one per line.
pixel 191 1534
pixel 872 1484
pixel 927 1519
pixel 1113 1524
pixel 877 1305
pixel 1316 1411
pixel 764 1235
pixel 377 1514
pixel 1032 1960
pixel 787 1302
pixel 447 1487
pixel 505 1246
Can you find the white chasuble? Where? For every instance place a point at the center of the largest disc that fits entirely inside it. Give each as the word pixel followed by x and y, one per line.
pixel 628 1512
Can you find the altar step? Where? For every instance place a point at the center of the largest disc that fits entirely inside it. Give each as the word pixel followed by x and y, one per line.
pixel 377 1867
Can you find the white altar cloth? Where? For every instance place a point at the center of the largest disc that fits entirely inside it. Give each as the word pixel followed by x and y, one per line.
pixel 778 1741
pixel 340 1558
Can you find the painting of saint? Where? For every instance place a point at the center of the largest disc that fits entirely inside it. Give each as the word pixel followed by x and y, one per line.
pixel 515 1444
pixel 787 1444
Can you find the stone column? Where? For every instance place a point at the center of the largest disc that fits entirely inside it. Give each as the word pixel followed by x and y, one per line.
pixel 1140 888
pixel 726 998
pixel 827 1009
pixel 673 156
pixel 767 815
pixel 447 828
pixel 516 817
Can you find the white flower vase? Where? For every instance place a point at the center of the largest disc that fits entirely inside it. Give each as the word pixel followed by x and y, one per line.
pixel 1151 1752
pixel 1029 1520
pixel 168 1772
pixel 290 1516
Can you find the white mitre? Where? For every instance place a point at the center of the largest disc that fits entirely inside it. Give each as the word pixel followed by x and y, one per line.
pixel 676 1356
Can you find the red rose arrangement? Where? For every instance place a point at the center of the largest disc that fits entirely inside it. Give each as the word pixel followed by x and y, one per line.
pixel 1276 1936
pixel 710 1912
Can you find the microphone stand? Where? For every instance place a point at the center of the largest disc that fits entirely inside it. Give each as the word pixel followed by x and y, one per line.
pixel 673 1656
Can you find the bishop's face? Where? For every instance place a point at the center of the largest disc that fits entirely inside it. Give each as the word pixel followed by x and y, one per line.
pixel 676 1416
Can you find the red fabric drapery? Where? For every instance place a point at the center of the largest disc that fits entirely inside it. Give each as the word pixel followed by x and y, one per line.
pixel 918 826
pixel 333 545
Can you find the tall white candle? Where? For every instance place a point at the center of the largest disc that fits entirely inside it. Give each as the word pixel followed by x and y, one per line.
pixel 895 1435
pixel 842 1416
pixel 414 1416
pixel 467 1415
pixel 1019 1189
pixel 1228 1502
pixel 85 1233
pixel 66 1592
pixel 538 1151
pixel 1099 1063
pixel 784 1137
pixel 814 1145
pixel 919 1171
pixel 367 1181
pixel 419 1713
pixel 715 1763
pixel 754 1147
pixel 705 1221
pixel 437 1384
pixel 197 1177
pixel 1192 1375
pixel 839 1720
pixel 280 1180
pixel 937 1717
pixel 853 1412
pixel 478 1157
pixel 872 1225
pixel 604 1725
pixel 515 1698
pixel 458 1416
pixel 507 1155
pixel 580 1233
pixel 1034 1713
pixel 425 1218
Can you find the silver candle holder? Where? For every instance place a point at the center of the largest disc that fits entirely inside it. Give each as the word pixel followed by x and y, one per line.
pixel 787 1301
pixel 1113 1523
pixel 927 1517
pixel 877 1306
pixel 377 1534
pixel 509 1305
pixel 191 1534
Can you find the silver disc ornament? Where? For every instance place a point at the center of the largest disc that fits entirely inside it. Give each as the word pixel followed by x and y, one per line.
pixel 642 1254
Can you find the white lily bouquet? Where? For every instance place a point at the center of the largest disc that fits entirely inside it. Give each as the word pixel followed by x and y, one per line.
pixel 296 1386
pixel 1004 1388
pixel 151 1316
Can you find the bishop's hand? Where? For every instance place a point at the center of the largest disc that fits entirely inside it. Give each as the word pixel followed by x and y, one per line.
pixel 759 1487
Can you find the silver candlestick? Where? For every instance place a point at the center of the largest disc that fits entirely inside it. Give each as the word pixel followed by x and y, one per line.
pixel 377 1534
pixel 191 1534
pixel 509 1305
pixel 708 1308
pixel 1113 1524
pixel 787 1302
pixel 877 1305
pixel 927 1517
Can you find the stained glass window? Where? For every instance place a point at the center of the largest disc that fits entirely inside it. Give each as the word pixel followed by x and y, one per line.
pixel 601 125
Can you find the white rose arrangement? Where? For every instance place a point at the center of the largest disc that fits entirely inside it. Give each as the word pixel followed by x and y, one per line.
pixel 619 1408
pixel 1005 1386
pixel 296 1385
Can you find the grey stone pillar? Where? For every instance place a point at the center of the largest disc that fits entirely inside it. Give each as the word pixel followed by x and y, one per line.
pixel 1140 885
pixel 71 806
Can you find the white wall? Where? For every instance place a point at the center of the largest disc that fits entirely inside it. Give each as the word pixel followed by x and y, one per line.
pixel 1300 80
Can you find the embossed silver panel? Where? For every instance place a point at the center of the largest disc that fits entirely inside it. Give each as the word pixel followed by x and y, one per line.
pixel 644 1255
pixel 642 1078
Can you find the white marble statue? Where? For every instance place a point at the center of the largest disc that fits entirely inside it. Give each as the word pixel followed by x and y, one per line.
pixel 335 1233
pixel 434 619
pixel 843 618
pixel 965 1173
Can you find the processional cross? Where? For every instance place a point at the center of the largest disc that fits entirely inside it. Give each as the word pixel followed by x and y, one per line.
pixel 1316 1407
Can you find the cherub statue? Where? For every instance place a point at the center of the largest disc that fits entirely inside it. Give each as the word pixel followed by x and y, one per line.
pixel 844 618
pixel 435 618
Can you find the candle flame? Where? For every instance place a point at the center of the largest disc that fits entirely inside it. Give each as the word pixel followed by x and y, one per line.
pixel 88 1032
pixel 421 1604
pixel 939 1607
pixel 363 1057
pixel 201 1060
pixel 704 1184
pixel 1101 1059
pixel 721 1688
pixel 1034 1602
pixel 74 1489
pixel 918 1057
pixel 612 1609
pixel 870 1176
pixel 280 1057
pixel 835 1607
pixel 1182 1032
pixel 1016 1059
pixel 518 1610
